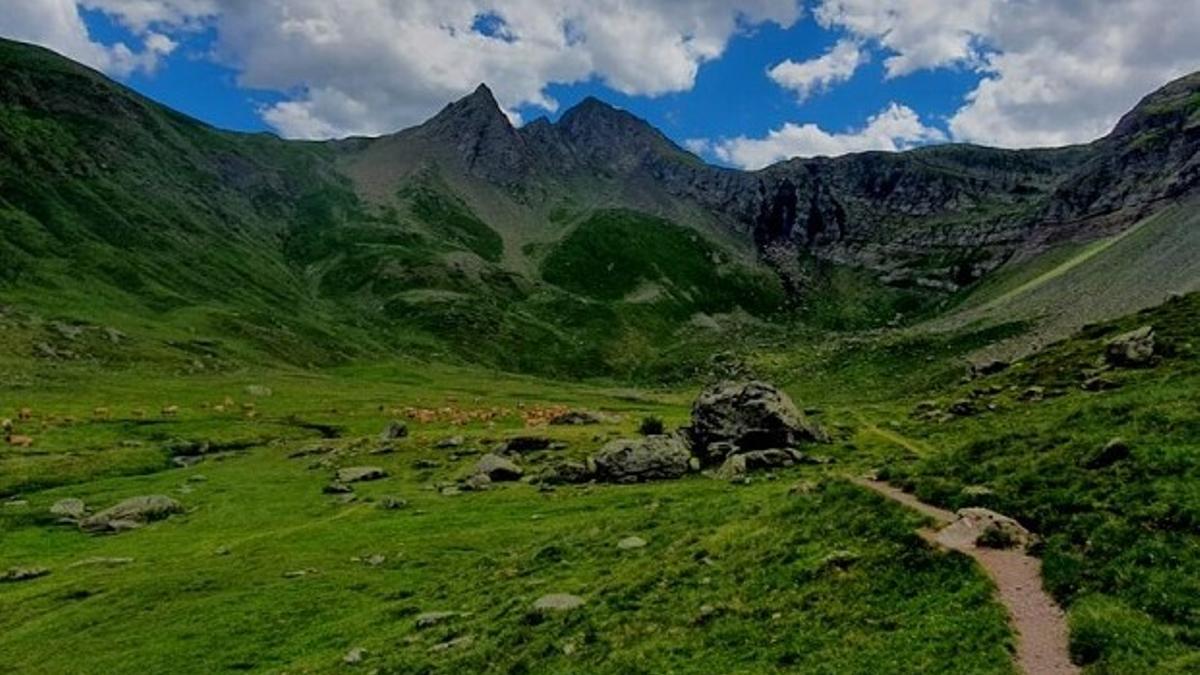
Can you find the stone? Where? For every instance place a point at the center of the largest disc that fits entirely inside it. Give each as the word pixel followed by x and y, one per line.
pixel 448 443
pixel 1033 394
pixel 337 488
pixel 258 390
pixel 564 473
pixel 102 561
pixel 962 408
pixel 431 619
pixel 358 474
pixel 457 643
pixel 1134 349
pixel 355 656
pixel 390 503
pixel 748 415
pixel 525 444
pixel 576 418
pixel 14 574
pixel 990 367
pixel 497 468
pixel 984 527
pixel 1099 383
pixel 393 431
pixel 426 464
pixel 557 602
pixel 1110 453
pixel 476 482
pixel 69 509
pixel 642 459
pixel 131 513
pixel 629 543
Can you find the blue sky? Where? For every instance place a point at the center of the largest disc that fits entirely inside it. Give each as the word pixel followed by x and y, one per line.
pixel 742 82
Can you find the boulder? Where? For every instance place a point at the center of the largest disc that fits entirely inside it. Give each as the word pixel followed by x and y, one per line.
pixel 498 469
pixel 1134 349
pixel 359 474
pixel 985 527
pixel 393 431
pixel 566 473
pixel 1110 453
pixel 449 443
pixel 738 465
pixel 525 444
pixel 476 482
pixel 749 415
pixel 69 509
pixel 576 418
pixel 557 602
pixel 131 513
pixel 642 459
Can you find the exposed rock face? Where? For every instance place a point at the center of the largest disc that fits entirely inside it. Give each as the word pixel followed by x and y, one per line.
pixel 642 459
pixel 498 469
pixel 737 417
pixel 131 513
pixel 1134 349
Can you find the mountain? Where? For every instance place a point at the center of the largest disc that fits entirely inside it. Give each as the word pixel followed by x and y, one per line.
pixel 588 245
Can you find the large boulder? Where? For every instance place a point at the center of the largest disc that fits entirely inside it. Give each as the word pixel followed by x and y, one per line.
pixel 131 513
pixel 641 459
pixel 736 417
pixel 1134 349
pixel 497 468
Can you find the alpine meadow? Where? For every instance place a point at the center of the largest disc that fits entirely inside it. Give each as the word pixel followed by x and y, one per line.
pixel 570 394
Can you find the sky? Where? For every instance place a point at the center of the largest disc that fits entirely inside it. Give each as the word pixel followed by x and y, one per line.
pixel 740 82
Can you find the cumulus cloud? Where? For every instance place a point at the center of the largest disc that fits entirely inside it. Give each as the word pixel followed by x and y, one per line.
pixel 57 24
pixel 896 127
pixel 809 77
pixel 1053 71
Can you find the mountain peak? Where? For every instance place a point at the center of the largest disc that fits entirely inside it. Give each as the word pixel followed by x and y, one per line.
pixel 479 132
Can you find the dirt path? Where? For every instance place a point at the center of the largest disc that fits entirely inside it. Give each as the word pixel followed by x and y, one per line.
pixel 1039 624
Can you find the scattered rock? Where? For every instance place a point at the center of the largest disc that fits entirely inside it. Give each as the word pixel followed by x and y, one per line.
pixel 222 551
pixel 393 431
pixel 431 619
pixel 576 418
pixel 451 442
pixel 1033 394
pixel 525 444
pixel 564 473
pixel 374 560
pixel 629 543
pixel 1099 383
pixel 391 503
pixel 337 488
pixel 804 487
pixel 14 574
pixel 297 574
pixel 497 468
pixel 258 390
pixel 102 561
pixel 131 513
pixel 749 416
pixel 355 656
pixel 963 408
pixel 977 491
pixel 1134 349
pixel 358 474
pixel 1110 453
pixel 456 643
pixel 449 491
pixel 476 482
pixel 557 602
pixel 635 460
pixel 69 509
pixel 426 464
pixel 986 368
pixel 841 559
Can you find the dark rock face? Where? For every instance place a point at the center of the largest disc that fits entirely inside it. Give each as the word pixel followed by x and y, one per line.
pixel 743 416
pixel 643 459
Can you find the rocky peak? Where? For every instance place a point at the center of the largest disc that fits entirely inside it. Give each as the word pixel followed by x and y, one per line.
pixel 480 134
pixel 602 134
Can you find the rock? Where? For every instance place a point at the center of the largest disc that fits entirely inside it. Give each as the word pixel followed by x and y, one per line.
pixel 449 491
pixel 456 643
pixel 298 574
pixel 1112 452
pixel 131 513
pixel 977 491
pixel 557 602
pixel 1098 383
pixel 69 509
pixel 391 503
pixel 14 574
pixel 358 474
pixel 258 390
pixel 564 473
pixel 1134 349
pixel 498 469
pixel 383 450
pixel 393 431
pixel 985 527
pixel 803 487
pixel 102 561
pixel 629 543
pixel 736 466
pixel 448 443
pixel 431 619
pixel 476 482
pixel 962 408
pixel 337 488
pixel 355 656
pixel 985 368
pixel 841 559
pixel 525 444
pixel 635 460
pixel 1033 394
pixel 749 415
pixel 576 418
pixel 375 560
pixel 426 464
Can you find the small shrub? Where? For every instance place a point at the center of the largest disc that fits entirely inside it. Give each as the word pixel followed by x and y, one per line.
pixel 651 426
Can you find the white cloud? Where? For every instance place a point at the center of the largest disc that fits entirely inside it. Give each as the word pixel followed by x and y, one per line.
pixel 1054 71
pixel 895 128
pixel 809 77
pixel 58 25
